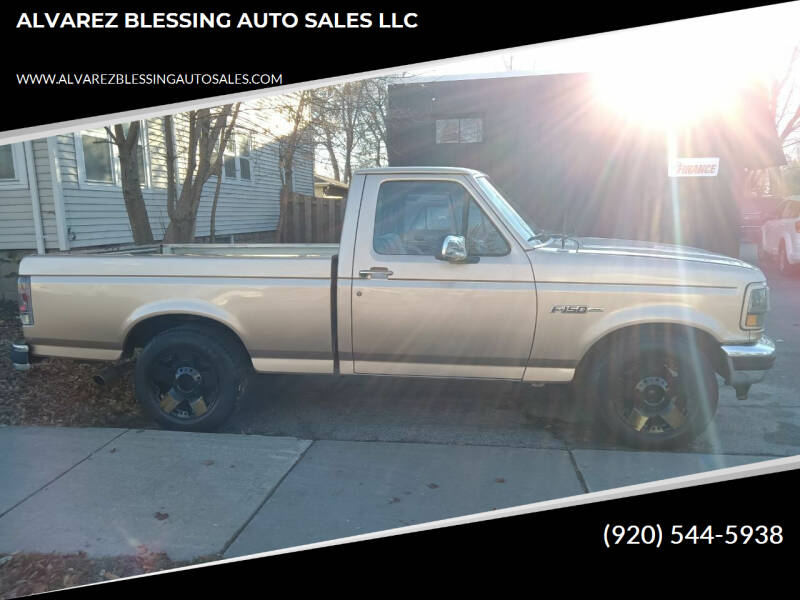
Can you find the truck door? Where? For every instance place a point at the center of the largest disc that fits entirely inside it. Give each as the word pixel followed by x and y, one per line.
pixel 413 314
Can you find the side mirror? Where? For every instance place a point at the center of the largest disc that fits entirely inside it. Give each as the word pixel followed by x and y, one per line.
pixel 454 249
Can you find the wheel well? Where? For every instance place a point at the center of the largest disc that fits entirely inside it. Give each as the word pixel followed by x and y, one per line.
pixel 144 331
pixel 708 345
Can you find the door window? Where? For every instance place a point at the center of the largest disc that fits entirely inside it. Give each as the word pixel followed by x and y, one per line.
pixel 413 217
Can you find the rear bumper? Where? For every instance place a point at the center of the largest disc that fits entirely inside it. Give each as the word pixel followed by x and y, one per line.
pixel 20 356
pixel 749 363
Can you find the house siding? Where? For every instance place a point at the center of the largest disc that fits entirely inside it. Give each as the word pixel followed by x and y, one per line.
pixel 95 213
pixel 16 225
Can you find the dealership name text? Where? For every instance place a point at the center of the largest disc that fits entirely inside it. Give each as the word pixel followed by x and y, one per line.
pixel 212 20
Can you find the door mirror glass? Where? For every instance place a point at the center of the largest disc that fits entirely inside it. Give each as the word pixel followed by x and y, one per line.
pixel 454 249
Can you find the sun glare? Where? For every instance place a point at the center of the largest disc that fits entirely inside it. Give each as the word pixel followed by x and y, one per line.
pixel 666 79
pixel 666 97
pixel 666 75
pixel 671 82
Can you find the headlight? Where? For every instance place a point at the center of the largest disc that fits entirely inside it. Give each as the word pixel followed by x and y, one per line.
pixel 756 305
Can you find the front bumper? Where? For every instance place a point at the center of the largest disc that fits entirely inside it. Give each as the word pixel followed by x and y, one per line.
pixel 749 363
pixel 20 356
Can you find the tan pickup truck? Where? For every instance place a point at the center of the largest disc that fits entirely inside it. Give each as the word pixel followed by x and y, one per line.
pixel 436 275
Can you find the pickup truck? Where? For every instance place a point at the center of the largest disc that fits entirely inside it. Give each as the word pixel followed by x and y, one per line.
pixel 780 236
pixel 435 275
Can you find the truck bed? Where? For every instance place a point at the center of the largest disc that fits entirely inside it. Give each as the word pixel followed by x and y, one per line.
pixel 275 297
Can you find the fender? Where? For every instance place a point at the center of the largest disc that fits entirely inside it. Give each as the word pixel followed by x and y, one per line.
pixel 181 306
pixel 650 314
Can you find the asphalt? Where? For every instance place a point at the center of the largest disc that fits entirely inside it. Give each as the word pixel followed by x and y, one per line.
pixel 109 492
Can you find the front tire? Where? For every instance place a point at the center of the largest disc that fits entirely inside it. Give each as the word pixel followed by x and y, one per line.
pixel 190 378
pixel 653 391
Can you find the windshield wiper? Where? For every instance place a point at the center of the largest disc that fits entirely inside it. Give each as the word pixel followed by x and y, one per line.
pixel 554 236
pixel 538 236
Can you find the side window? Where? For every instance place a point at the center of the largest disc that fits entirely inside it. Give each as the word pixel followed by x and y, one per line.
pixel 100 158
pixel 13 173
pixel 459 131
pixel 413 217
pixel 237 159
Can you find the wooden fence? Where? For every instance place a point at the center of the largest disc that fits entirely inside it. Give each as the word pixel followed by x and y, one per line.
pixel 314 220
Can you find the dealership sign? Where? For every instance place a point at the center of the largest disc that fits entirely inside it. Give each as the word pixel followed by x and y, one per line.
pixel 693 167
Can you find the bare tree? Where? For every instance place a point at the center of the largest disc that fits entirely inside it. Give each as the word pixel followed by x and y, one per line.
pixel 128 149
pixel 326 127
pixel 209 133
pixel 350 113
pixel 336 116
pixel 295 110
pixel 223 142
pixel 784 107
pixel 785 101
pixel 349 121
pixel 373 130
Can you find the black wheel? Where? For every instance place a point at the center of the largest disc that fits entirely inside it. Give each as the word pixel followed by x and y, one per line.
pixel 653 391
pixel 190 378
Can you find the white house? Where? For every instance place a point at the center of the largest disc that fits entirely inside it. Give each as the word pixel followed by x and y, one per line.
pixel 64 192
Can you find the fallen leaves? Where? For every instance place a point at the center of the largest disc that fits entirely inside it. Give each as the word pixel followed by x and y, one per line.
pixel 60 392
pixel 23 574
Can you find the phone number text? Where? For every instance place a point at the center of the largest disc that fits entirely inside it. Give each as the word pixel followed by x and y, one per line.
pixel 656 535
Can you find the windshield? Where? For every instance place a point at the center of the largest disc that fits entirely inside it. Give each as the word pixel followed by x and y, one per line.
pixel 511 216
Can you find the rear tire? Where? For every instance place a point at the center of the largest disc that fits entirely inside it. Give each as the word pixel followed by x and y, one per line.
pixel 191 377
pixel 652 391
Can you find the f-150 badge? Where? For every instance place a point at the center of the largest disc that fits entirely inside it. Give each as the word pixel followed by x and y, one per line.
pixel 574 309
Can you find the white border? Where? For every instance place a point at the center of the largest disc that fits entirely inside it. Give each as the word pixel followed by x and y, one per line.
pixel 719 475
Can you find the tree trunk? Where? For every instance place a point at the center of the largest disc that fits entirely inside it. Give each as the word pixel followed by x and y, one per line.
pixel 207 132
pixel 213 224
pixel 287 191
pixel 180 231
pixel 332 157
pixel 181 228
pixel 131 186
pixel 283 234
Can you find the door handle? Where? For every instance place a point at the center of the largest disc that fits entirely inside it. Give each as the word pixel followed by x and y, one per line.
pixel 375 273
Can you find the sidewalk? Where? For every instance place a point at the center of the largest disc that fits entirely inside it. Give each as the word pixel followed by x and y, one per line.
pixel 111 492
